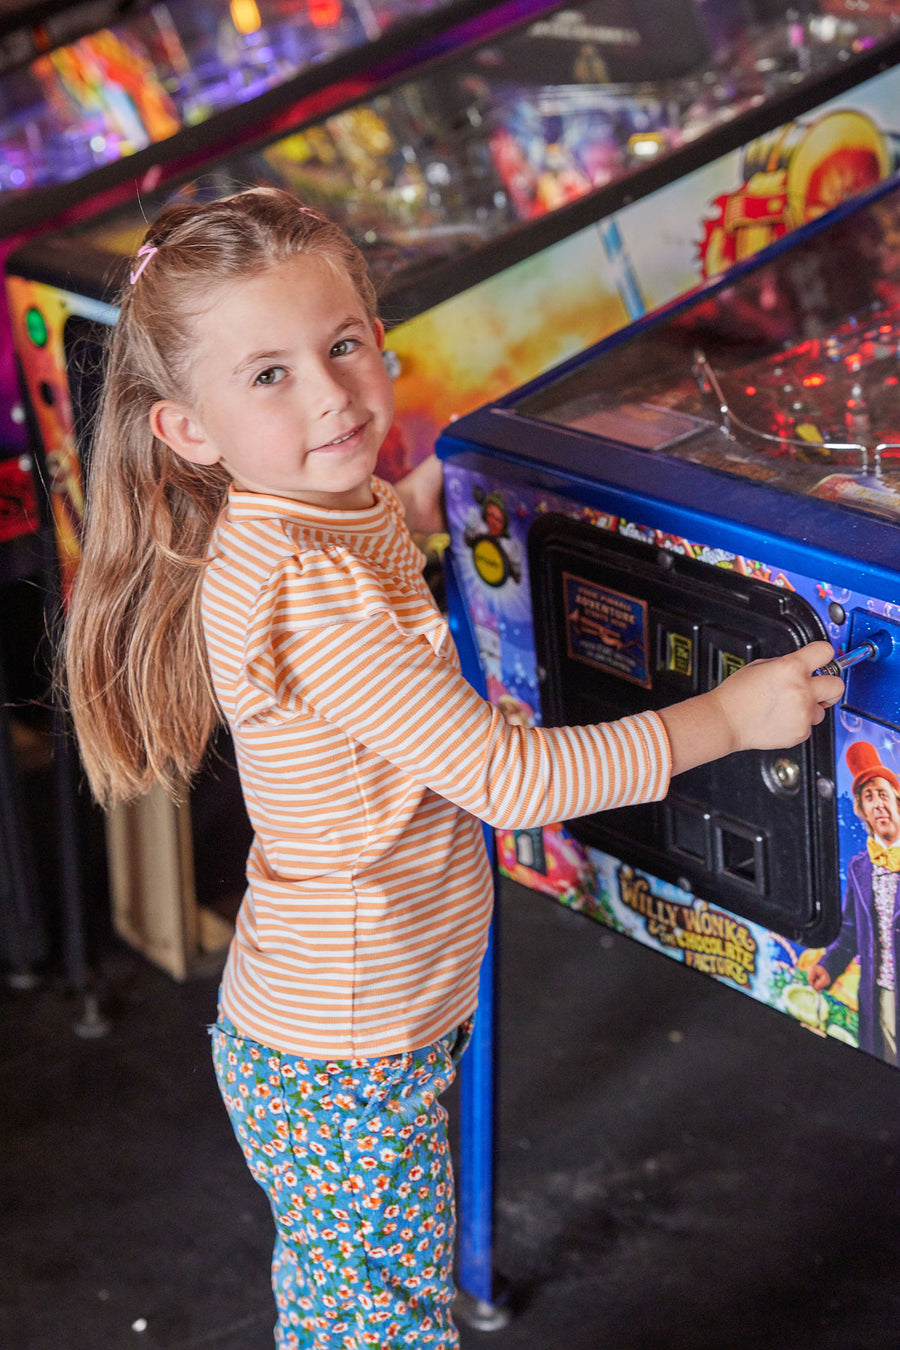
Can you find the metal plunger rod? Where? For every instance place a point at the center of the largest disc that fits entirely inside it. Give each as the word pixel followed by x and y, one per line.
pixel 878 645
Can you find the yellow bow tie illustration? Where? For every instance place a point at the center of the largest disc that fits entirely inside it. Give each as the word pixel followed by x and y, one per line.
pixel 882 856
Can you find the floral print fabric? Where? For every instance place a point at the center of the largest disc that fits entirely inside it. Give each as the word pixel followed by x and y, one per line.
pixel 354 1157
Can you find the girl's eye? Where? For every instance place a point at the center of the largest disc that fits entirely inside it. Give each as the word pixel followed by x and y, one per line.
pixel 344 346
pixel 271 375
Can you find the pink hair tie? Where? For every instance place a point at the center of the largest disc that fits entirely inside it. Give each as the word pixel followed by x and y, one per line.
pixel 145 253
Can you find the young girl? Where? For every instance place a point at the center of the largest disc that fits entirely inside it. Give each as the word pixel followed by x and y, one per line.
pixel 241 561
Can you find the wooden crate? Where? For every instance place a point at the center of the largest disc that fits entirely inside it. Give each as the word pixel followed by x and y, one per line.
pixel 153 892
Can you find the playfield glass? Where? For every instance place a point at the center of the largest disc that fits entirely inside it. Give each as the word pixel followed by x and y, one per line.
pixel 786 376
pixel 519 126
pixel 162 68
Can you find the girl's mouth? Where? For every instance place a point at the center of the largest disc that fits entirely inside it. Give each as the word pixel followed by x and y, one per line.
pixel 342 440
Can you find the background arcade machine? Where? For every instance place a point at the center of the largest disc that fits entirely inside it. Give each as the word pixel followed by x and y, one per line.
pixel 718 483
pixel 99 102
pixel 509 196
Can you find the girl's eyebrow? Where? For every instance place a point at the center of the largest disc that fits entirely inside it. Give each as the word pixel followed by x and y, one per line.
pixel 253 358
pixel 269 357
pixel 351 321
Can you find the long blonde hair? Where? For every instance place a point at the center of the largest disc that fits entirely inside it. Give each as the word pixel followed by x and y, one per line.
pixel 134 659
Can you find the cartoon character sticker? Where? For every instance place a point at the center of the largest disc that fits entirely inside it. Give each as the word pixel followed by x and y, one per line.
pixel 792 176
pixel 496 555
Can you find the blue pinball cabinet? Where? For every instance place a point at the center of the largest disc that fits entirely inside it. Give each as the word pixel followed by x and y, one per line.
pixel 718 482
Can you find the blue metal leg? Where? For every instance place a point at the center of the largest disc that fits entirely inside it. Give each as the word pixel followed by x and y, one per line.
pixel 475 1302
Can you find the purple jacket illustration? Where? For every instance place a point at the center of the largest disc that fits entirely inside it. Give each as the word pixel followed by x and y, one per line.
pixel 859 936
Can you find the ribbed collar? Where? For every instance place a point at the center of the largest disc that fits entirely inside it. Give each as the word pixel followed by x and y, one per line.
pixel 372 521
pixel 378 530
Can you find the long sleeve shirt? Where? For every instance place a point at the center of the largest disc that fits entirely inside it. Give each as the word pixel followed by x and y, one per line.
pixel 366 763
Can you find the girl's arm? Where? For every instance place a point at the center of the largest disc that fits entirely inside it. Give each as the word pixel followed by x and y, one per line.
pixel 764 706
pixel 420 493
pixel 395 694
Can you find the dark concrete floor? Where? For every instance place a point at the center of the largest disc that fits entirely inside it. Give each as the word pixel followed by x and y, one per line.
pixel 679 1168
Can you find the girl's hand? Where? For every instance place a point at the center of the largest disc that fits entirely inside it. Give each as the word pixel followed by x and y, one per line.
pixel 775 703
pixel 421 494
pixel 766 705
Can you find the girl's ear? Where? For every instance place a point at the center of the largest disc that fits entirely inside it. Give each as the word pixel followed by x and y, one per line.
pixel 379 334
pixel 182 433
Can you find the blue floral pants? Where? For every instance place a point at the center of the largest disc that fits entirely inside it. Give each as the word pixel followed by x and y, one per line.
pixel 354 1157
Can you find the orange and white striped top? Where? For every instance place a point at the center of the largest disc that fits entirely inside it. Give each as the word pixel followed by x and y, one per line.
pixel 365 759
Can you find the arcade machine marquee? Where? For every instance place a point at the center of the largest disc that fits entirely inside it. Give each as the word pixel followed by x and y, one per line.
pixel 717 483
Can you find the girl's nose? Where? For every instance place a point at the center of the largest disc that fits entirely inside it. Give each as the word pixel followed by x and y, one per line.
pixel 328 391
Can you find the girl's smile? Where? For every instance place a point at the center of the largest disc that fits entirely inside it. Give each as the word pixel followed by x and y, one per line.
pixel 341 440
pixel 291 395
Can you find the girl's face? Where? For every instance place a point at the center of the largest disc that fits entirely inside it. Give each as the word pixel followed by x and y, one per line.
pixel 291 395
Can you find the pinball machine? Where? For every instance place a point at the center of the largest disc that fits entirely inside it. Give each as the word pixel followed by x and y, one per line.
pixel 716 484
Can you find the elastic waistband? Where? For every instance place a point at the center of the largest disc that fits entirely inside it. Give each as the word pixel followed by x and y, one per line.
pixel 454 1042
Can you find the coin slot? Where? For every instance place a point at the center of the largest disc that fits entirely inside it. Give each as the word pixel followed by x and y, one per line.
pixel 688 830
pixel 740 854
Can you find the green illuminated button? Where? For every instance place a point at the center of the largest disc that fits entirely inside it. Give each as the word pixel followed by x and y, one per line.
pixel 36 327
